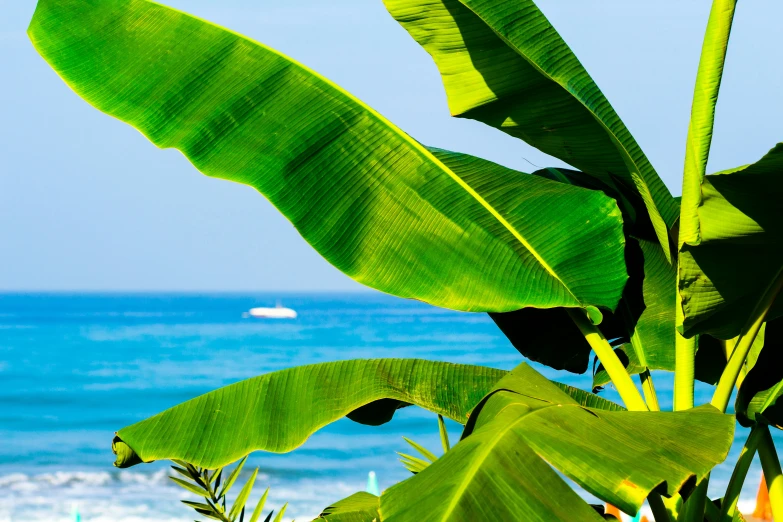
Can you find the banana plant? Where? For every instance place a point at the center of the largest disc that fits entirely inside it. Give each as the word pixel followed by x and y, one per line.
pixel 595 261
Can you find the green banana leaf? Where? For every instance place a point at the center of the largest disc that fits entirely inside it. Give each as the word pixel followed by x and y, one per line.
pixel 644 318
pixel 503 64
pixel 526 424
pixel 758 397
pixel 444 228
pixel 649 313
pixel 740 248
pixel 278 411
pixel 636 221
pixel 491 475
pixel 359 507
pixel 587 399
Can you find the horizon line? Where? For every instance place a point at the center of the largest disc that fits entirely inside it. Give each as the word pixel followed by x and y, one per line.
pixel 188 291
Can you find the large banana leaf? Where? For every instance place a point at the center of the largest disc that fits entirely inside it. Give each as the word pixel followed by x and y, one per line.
pixel 740 250
pixel 491 475
pixel 504 64
pixel 278 411
pixel 359 507
pixel 644 318
pixel 445 228
pixel 636 221
pixel 651 318
pixel 527 424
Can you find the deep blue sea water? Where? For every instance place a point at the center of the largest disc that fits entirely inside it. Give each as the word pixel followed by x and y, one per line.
pixel 76 368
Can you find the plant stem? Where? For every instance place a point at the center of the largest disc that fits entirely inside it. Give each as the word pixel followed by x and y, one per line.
pixel 215 500
pixel 728 347
pixel 444 434
pixel 697 151
pixel 693 509
pixel 711 512
pixel 705 96
pixel 648 387
pixel 658 508
pixel 612 364
pixel 650 397
pixel 772 472
pixel 684 365
pixel 728 507
pixel 748 335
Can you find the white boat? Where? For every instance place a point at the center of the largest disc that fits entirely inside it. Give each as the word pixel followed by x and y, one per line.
pixel 278 312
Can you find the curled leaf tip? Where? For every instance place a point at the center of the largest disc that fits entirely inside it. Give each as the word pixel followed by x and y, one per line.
pixel 594 315
pixel 126 457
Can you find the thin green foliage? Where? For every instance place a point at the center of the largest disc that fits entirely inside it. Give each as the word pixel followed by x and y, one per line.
pixel 421 449
pixel 444 435
pixel 207 484
pixel 417 465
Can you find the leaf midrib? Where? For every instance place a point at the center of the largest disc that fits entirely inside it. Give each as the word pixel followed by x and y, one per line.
pixel 477 463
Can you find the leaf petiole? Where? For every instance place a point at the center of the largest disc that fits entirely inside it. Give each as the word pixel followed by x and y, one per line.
pixel 772 472
pixel 728 507
pixel 614 367
pixel 745 341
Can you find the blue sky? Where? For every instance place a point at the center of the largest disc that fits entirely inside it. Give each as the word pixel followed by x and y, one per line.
pixel 87 203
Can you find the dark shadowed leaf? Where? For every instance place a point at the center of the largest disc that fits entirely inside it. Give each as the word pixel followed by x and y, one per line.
pixel 546 336
pixel 759 396
pixel 739 250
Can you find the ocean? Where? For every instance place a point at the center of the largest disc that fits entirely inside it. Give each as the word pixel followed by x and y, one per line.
pixel 77 367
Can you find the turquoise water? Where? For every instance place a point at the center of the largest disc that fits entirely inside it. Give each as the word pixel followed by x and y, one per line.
pixel 76 368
